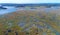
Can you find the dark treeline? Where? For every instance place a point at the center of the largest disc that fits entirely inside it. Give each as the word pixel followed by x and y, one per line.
pixel 23 5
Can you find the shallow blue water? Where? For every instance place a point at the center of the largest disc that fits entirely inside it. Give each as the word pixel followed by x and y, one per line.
pixel 51 9
pixel 8 10
pixel 13 9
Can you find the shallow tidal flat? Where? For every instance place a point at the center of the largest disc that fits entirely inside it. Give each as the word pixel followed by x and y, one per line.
pixel 30 22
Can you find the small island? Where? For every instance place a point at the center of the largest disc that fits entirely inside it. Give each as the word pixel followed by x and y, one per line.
pixel 1 7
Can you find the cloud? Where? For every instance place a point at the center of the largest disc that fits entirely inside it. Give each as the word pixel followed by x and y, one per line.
pixel 29 1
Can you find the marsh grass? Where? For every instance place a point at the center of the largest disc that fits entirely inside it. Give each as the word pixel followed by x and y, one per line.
pixel 37 22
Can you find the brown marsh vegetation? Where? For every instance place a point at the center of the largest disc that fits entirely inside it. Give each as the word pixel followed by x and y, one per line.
pixel 30 22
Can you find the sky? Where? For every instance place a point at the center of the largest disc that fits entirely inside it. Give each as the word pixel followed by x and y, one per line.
pixel 29 1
